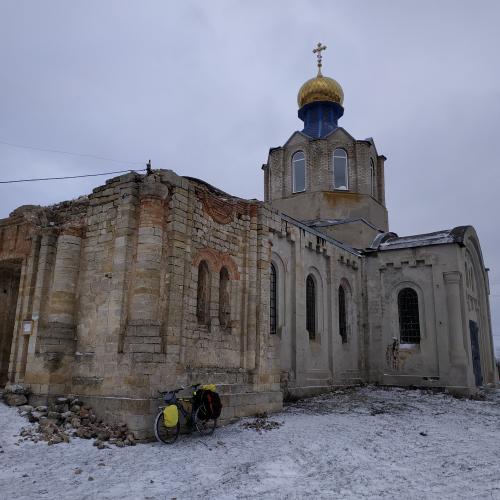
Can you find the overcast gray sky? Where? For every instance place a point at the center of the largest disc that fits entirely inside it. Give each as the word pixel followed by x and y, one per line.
pixel 205 88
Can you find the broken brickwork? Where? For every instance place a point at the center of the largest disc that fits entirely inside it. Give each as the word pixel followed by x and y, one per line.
pixel 108 284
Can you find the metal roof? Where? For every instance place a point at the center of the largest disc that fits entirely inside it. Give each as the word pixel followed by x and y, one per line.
pixel 391 241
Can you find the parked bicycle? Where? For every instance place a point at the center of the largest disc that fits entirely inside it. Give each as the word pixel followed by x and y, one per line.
pixel 195 417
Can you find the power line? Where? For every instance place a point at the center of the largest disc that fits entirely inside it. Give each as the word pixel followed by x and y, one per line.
pixel 72 176
pixel 60 151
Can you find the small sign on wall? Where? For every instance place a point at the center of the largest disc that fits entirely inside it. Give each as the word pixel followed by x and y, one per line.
pixel 27 326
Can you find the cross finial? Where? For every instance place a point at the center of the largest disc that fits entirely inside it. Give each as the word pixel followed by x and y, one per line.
pixel 319 48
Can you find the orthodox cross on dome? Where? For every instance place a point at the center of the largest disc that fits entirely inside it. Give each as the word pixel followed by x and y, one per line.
pixel 319 48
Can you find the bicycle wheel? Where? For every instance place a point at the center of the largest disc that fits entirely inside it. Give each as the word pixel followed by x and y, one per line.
pixel 166 435
pixel 205 427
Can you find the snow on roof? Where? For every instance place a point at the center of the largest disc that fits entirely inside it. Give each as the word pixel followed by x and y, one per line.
pixel 322 235
pixel 391 241
pixel 336 222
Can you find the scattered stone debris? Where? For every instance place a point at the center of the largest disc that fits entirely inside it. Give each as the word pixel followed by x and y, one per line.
pixel 68 417
pixel 377 410
pixel 262 423
pixel 479 396
pixel 16 394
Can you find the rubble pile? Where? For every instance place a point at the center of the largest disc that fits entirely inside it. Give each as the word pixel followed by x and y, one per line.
pixel 262 423
pixel 16 394
pixel 66 417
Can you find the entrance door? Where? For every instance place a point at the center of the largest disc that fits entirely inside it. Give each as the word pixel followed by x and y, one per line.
pixel 476 358
pixel 9 288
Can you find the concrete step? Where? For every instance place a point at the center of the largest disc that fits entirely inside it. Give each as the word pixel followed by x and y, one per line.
pixel 351 380
pixel 318 382
pixel 250 403
pixel 351 371
pixel 234 388
pixel 217 377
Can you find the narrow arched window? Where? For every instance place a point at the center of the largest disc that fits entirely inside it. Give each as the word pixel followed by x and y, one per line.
pixel 372 177
pixel 273 300
pixel 203 294
pixel 224 299
pixel 311 307
pixel 342 314
pixel 409 322
pixel 299 171
pixel 340 172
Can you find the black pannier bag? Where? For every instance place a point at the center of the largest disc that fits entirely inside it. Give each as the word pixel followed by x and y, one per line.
pixel 209 402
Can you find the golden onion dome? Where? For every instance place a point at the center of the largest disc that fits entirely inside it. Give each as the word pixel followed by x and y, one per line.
pixel 320 88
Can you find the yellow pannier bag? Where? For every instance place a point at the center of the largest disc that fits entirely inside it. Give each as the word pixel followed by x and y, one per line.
pixel 170 415
pixel 209 387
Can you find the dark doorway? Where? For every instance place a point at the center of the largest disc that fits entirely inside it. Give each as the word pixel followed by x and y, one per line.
pixel 9 288
pixel 476 357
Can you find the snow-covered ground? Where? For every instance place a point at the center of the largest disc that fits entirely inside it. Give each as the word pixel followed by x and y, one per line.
pixel 364 443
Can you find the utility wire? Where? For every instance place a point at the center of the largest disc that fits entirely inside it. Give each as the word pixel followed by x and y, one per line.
pixel 71 176
pixel 60 151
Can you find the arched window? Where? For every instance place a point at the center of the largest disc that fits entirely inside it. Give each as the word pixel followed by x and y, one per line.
pixel 340 172
pixel 203 294
pixel 299 171
pixel 273 299
pixel 342 314
pixel 311 307
pixel 409 322
pixel 224 299
pixel 372 177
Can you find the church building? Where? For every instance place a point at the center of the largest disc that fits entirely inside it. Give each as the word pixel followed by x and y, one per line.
pixel 156 281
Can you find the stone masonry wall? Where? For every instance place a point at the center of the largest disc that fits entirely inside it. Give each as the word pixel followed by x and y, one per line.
pixel 9 287
pixel 109 282
pixel 108 286
pixel 319 200
pixel 319 165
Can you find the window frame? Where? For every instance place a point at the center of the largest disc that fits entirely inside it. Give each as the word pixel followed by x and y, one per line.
pixel 346 157
pixel 372 177
pixel 343 314
pixel 294 189
pixel 203 314
pixel 311 307
pixel 405 323
pixel 273 299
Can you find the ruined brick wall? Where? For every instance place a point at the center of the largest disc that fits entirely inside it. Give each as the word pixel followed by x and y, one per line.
pixel 15 244
pixel 109 283
pixel 15 237
pixel 25 237
pixel 9 287
pixel 224 235
pixel 135 288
